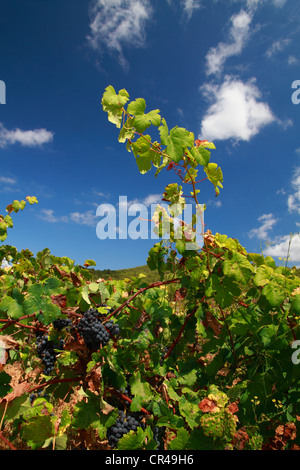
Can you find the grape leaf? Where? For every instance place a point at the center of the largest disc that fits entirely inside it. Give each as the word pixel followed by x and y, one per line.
pixel 238 267
pixel 180 442
pixel 11 307
pixel 113 104
pixel 32 199
pixel 215 175
pixel 142 120
pixel 4 384
pixel 274 294
pixel 296 304
pixel 140 388
pixel 36 430
pixel 132 440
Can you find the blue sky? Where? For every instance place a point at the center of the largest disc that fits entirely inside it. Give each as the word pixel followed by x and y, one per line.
pixel 222 69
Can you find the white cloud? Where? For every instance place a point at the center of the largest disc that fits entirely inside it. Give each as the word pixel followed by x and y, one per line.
pixel 235 112
pixel 277 46
pixel 85 218
pixel 189 6
pixel 7 180
pixel 239 33
pixel 31 138
pixel 81 218
pixel 293 201
pixel 278 3
pixel 292 60
pixel 147 201
pixel 267 223
pixel 48 216
pixel 281 248
pixel 152 199
pixel 115 23
pixel 5 264
pixel 253 4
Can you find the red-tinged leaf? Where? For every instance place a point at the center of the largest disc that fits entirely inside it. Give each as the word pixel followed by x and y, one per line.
pixel 60 300
pixel 180 294
pixel 61 271
pixel 233 408
pixel 208 406
pixel 18 391
pixel 75 279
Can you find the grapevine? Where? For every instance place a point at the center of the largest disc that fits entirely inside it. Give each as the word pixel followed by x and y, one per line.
pixel 202 359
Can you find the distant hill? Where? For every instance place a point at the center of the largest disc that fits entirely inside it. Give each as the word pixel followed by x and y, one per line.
pixel 129 273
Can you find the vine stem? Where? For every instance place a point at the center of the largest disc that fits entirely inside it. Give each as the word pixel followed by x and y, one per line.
pixel 200 211
pixel 229 332
pixel 140 291
pixel 6 441
pixel 54 381
pixel 5 320
pixel 12 322
pixel 121 395
pixel 168 353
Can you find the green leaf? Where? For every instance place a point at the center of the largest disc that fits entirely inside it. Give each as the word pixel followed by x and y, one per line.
pixel 93 287
pixel 140 388
pixel 8 220
pixel 32 200
pixel 177 141
pixel 144 164
pixel 11 307
pixel 238 268
pixel 113 104
pixel 181 246
pixel 164 132
pixel 39 301
pixel 86 414
pixel 268 333
pixel 173 193
pixel 85 294
pixel 3 235
pixel 5 379
pixel 143 150
pixel 201 155
pixel 132 440
pixel 37 430
pixel 296 304
pixel 215 175
pixel 90 262
pixel 274 294
pixel 180 442
pixel 142 121
pixel 262 276
pixel 127 131
pixel 137 106
pixel 51 285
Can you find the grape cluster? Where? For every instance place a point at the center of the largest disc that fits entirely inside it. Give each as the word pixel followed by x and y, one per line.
pixel 158 434
pixel 93 331
pixel 61 323
pixel 46 351
pixel 40 394
pixel 127 389
pixel 164 351
pixel 122 426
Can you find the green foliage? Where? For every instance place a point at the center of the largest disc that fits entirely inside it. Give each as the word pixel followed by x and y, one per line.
pixel 6 221
pixel 204 352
